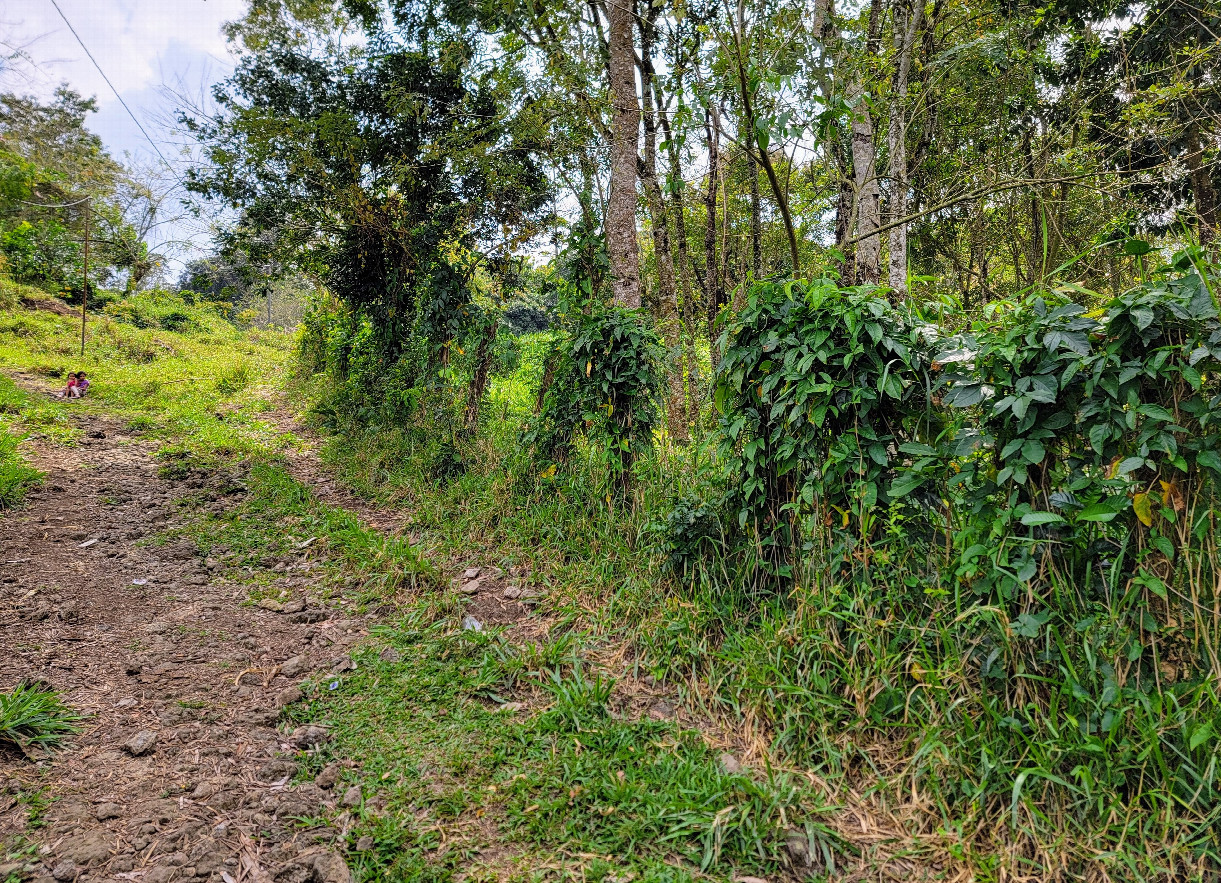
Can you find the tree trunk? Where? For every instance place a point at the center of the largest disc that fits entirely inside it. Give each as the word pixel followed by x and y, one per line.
pixel 712 278
pixel 756 219
pixel 864 165
pixel 667 295
pixel 621 247
pixel 844 206
pixel 479 382
pixel 756 143
pixel 677 188
pixel 1203 194
pixel 868 194
pixel 907 25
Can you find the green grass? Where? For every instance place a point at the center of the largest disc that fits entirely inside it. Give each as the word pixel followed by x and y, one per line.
pixel 16 475
pixel 444 770
pixel 31 717
pixel 888 691
pixel 571 784
pixel 204 386
pixel 1009 746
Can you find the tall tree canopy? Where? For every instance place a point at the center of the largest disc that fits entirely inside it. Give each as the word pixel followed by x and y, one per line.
pixel 376 151
pixel 964 151
pixel 48 159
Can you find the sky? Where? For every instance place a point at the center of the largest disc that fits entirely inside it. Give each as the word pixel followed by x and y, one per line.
pixel 142 46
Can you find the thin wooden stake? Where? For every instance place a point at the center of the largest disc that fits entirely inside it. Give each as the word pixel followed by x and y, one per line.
pixel 85 295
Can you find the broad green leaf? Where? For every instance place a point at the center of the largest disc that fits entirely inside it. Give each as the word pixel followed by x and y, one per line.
pixel 1031 519
pixel 1201 735
pixel 1097 512
pixel 1100 433
pixel 1142 317
pixel 1033 452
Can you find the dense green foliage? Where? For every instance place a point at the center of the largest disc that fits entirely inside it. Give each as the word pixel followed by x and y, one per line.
pixel 822 394
pixel 979 547
pixel 386 169
pixel 604 383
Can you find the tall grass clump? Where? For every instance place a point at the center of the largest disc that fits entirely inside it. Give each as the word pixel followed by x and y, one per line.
pixel 16 475
pixel 34 717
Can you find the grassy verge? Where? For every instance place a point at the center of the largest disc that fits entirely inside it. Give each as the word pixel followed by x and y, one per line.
pixel 16 475
pixel 881 682
pixel 477 753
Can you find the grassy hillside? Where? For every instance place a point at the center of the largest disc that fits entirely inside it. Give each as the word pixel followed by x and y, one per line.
pixel 175 370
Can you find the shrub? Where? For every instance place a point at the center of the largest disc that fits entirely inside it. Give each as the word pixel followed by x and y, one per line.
pixel 605 377
pixel 690 533
pixel 167 311
pixel 1088 430
pixel 823 396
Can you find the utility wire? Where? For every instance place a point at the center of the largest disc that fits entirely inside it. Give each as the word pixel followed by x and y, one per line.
pixel 45 205
pixel 111 85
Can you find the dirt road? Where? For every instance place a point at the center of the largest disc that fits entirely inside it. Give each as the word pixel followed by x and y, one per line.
pixel 179 772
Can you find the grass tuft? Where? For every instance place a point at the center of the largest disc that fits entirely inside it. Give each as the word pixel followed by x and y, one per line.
pixel 34 717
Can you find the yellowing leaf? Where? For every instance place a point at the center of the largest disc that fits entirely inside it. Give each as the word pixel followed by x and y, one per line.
pixel 1172 495
pixel 1143 508
pixel 589 367
pixel 548 472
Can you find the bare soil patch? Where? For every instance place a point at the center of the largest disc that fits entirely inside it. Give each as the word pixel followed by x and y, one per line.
pixel 180 771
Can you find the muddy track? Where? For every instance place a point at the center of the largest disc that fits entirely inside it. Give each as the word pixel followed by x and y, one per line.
pixel 180 772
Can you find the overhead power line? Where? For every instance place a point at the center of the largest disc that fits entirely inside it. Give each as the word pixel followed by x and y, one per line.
pixel 150 141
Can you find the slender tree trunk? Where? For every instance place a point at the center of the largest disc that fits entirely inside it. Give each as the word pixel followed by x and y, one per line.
pixel 479 382
pixel 756 219
pixel 667 294
pixel 756 144
pixel 868 194
pixel 1203 194
pixel 712 278
pixel 729 239
pixel 907 26
pixel 844 206
pixel 621 245
pixel 677 189
pixel 868 209
pixel 1038 229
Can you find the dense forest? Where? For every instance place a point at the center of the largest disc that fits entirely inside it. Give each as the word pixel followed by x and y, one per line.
pixel 853 369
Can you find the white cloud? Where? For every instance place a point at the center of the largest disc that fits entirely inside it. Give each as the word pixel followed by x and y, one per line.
pixel 134 41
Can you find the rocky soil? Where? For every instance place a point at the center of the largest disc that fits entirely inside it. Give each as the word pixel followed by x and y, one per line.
pixel 181 771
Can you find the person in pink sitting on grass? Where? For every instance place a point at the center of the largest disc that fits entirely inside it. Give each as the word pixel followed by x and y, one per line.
pixel 69 391
pixel 82 384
